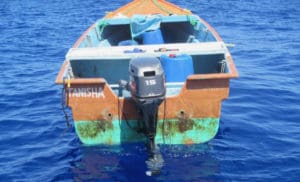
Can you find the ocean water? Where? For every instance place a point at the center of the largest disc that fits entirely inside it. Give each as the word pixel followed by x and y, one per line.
pixel 259 135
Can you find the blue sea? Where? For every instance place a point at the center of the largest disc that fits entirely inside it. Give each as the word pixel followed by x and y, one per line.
pixel 259 135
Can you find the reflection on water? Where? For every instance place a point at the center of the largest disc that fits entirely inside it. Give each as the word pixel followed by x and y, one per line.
pixel 154 163
pixel 128 163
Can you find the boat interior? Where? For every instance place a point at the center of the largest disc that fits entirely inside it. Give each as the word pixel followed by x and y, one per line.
pixel 174 29
pixel 105 50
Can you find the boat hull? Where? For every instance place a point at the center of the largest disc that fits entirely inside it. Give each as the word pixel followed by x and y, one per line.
pixel 169 131
pixel 90 75
pixel 190 117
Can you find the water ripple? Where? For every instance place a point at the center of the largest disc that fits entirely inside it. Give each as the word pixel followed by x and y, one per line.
pixel 258 139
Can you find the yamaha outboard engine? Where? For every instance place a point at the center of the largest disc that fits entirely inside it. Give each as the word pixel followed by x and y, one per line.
pixel 147 86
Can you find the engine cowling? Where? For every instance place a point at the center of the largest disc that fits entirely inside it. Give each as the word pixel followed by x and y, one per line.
pixel 147 78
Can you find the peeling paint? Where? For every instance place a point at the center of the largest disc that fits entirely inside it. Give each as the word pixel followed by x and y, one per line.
pixel 184 123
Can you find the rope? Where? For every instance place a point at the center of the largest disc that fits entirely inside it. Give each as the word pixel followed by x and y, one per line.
pixel 137 130
pixel 101 25
pixel 192 19
pixel 119 112
pixel 63 103
pixel 164 119
pixel 223 64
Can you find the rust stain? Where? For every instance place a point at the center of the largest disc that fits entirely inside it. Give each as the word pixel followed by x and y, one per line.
pixel 92 129
pixel 184 123
pixel 212 125
pixel 189 141
pixel 180 124
pixel 200 128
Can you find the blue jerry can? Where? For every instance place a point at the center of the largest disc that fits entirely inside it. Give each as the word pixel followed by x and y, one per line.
pixel 153 37
pixel 177 67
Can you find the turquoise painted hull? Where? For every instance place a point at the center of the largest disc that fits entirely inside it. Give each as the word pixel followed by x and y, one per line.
pixel 169 131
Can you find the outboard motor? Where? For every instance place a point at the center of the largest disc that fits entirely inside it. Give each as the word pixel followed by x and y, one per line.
pixel 147 86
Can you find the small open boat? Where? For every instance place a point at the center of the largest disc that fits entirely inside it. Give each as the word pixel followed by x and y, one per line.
pixel 148 71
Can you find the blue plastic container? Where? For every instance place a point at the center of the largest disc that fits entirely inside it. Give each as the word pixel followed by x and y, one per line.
pixel 177 67
pixel 127 43
pixel 153 37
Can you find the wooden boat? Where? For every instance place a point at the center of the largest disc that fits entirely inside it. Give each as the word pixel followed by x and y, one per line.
pixel 148 71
